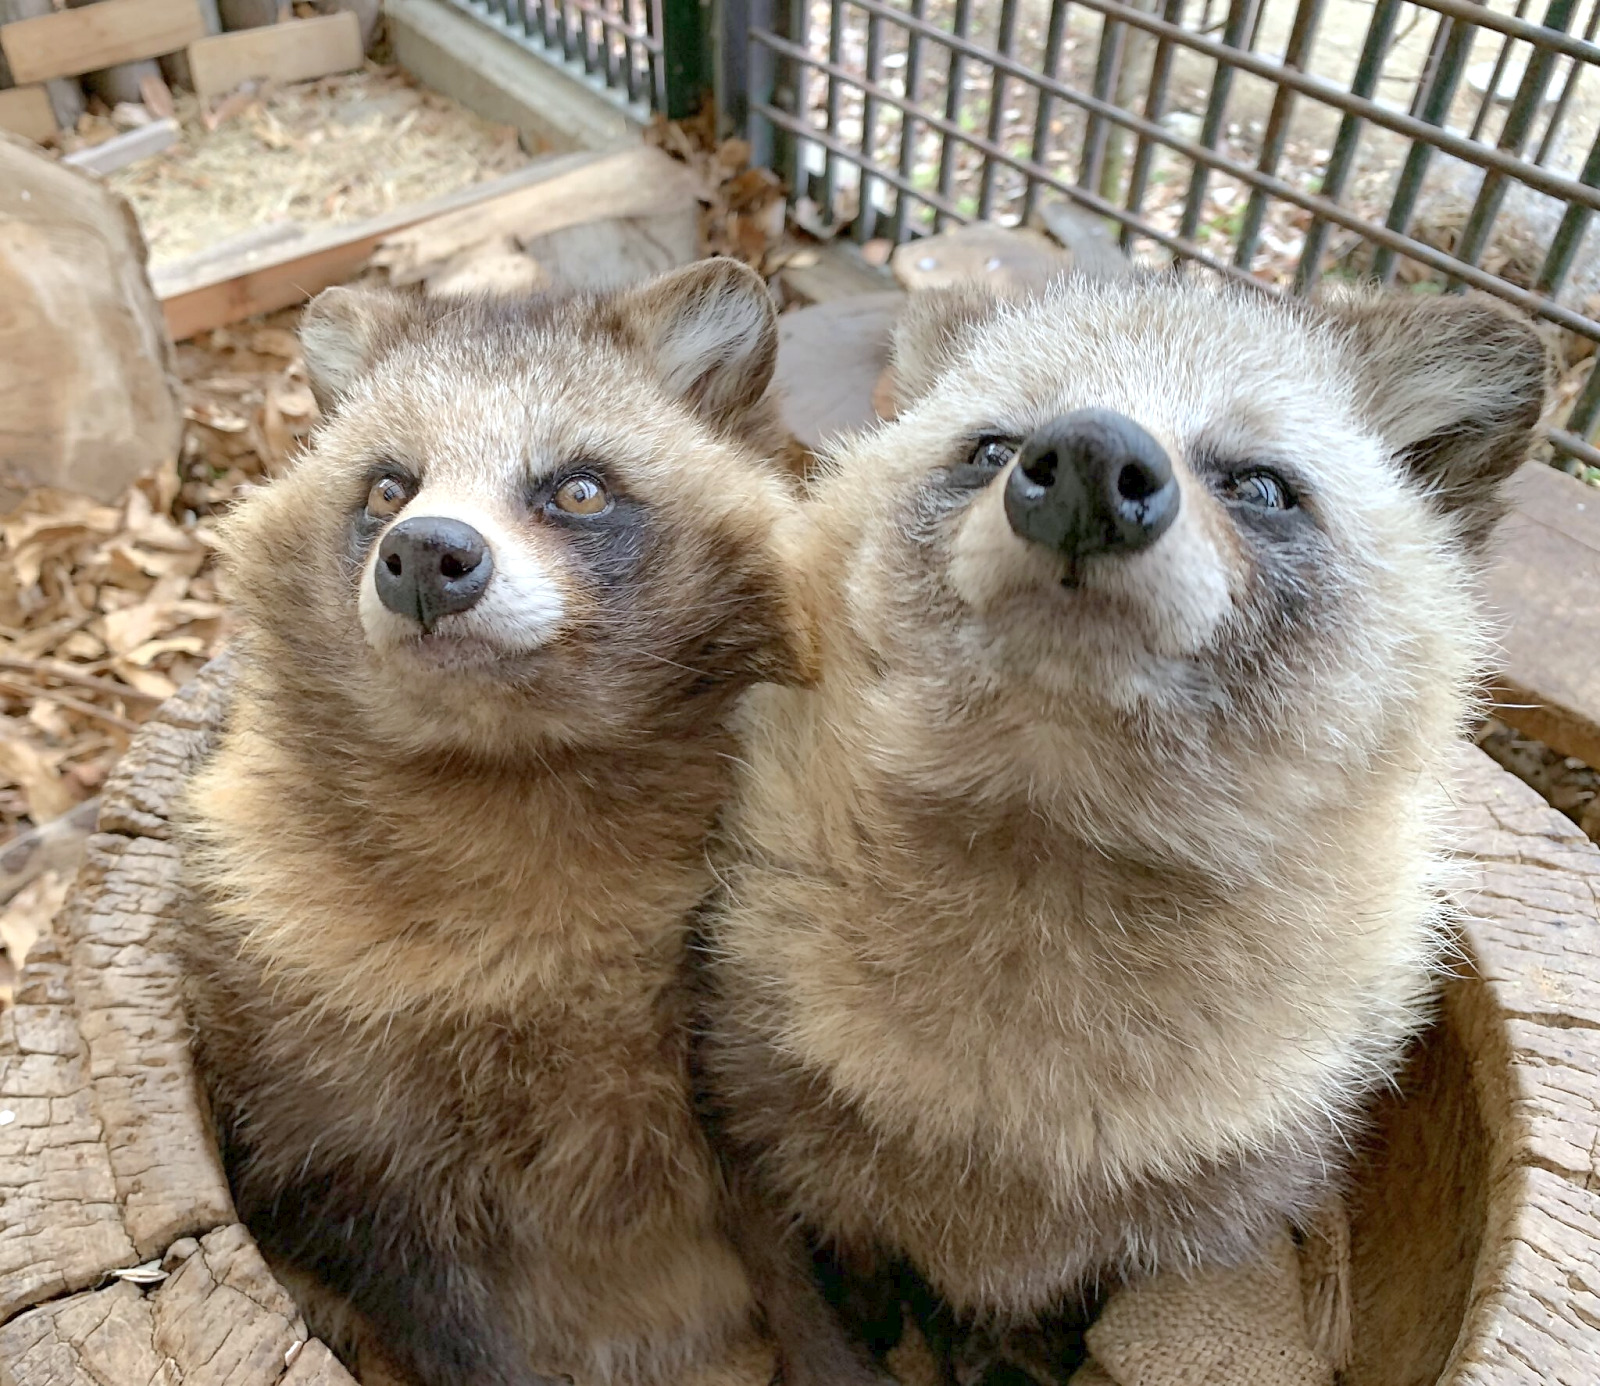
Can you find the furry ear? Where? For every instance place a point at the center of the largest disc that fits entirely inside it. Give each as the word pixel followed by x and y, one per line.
pixel 343 332
pixel 711 331
pixel 1457 387
pixel 929 335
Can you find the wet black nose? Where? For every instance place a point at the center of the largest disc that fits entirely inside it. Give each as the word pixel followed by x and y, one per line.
pixel 429 567
pixel 1092 481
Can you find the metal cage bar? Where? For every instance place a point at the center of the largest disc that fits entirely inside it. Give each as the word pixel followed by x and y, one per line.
pixel 1003 102
pixel 614 47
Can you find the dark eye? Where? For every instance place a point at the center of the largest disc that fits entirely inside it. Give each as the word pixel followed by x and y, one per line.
pixel 581 495
pixel 387 497
pixel 1258 488
pixel 992 453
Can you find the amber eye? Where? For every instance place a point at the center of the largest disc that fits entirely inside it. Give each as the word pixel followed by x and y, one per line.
pixel 581 495
pixel 387 497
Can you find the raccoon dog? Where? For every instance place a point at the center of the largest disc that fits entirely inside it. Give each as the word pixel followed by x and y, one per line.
pixel 1070 918
pixel 491 627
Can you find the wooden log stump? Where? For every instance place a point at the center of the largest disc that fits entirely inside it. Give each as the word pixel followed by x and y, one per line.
pixel 1475 1213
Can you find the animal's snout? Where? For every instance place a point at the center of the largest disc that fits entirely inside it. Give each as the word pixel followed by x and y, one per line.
pixel 1091 481
pixel 429 567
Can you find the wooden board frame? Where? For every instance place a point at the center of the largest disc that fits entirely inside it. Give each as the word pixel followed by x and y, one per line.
pixel 206 292
pixel 27 111
pixel 297 50
pixel 69 43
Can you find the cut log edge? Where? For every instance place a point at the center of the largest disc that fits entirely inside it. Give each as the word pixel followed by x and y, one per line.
pixel 1529 1010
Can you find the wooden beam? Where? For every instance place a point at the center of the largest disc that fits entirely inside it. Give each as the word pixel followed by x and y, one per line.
pixel 637 182
pixel 296 51
pixel 71 42
pixel 831 272
pixel 1545 586
pixel 207 292
pixel 26 111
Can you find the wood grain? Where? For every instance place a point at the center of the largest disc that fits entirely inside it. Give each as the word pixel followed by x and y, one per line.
pixel 640 182
pixel 208 292
pixel 296 51
pixel 1546 587
pixel 220 1317
pixel 106 1159
pixel 26 111
pixel 71 42
pixel 1530 1013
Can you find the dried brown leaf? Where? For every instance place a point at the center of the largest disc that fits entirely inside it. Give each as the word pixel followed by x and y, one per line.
pixel 147 681
pixel 37 773
pixel 275 341
pixel 30 913
pixel 126 630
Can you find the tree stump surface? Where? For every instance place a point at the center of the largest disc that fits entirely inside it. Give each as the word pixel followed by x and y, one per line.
pixel 107 1161
pixel 1530 1017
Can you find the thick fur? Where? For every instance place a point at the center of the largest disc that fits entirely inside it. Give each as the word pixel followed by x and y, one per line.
pixel 436 972
pixel 1064 933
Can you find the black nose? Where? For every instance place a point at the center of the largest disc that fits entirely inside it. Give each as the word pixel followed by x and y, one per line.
pixel 429 567
pixel 1091 482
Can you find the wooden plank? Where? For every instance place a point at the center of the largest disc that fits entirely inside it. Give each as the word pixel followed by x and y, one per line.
pixel 300 270
pixel 127 148
pixel 837 271
pixel 640 182
pixel 71 42
pixel 601 255
pixel 1002 258
pixel 296 51
pixel 830 356
pixel 1545 588
pixel 205 293
pixel 1087 238
pixel 26 111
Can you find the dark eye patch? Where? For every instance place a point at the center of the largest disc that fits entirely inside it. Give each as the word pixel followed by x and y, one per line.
pixel 1259 488
pixel 980 459
pixel 1263 495
pixel 611 544
pixel 362 527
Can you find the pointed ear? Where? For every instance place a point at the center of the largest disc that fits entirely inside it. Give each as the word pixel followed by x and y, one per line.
pixel 932 329
pixel 1456 386
pixel 344 331
pixel 711 332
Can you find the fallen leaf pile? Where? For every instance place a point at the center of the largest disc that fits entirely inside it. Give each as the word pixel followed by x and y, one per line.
pixel 743 215
pixel 105 610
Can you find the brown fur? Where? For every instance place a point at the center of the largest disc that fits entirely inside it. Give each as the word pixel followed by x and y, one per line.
pixel 437 972
pixel 1065 932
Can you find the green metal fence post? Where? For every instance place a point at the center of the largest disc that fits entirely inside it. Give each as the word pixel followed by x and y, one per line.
pixel 686 55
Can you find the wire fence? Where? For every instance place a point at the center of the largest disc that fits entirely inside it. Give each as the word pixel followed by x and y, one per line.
pixel 613 46
pixel 1438 145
